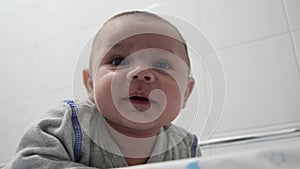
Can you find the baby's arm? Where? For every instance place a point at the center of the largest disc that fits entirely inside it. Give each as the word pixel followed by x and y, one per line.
pixel 48 144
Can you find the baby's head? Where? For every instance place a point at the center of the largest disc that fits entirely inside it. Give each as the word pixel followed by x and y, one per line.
pixel 138 74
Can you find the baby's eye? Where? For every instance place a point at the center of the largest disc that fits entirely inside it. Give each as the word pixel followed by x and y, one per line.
pixel 161 65
pixel 118 61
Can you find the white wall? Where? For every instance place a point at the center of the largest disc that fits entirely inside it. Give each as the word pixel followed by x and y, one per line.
pixel 258 42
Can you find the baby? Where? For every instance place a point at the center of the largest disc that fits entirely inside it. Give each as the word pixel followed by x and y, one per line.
pixel 137 82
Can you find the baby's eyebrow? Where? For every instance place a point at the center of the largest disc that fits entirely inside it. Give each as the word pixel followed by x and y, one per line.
pixel 116 45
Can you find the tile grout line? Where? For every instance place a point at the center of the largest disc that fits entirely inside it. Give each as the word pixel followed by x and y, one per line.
pixel 296 53
pixel 246 42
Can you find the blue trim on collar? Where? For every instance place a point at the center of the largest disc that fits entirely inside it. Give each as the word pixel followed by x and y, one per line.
pixel 77 130
pixel 194 147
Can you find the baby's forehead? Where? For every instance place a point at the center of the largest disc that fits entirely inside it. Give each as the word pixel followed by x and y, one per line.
pixel 143 40
pixel 122 28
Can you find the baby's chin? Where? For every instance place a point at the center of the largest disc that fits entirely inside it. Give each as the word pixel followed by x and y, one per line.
pixel 136 129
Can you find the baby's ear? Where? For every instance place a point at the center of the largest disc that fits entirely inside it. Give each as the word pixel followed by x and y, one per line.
pixel 188 90
pixel 88 83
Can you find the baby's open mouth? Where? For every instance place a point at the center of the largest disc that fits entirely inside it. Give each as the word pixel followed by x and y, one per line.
pixel 141 103
pixel 139 99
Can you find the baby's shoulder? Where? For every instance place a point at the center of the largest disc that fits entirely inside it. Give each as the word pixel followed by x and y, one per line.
pixel 175 132
pixel 67 108
pixel 61 114
pixel 182 144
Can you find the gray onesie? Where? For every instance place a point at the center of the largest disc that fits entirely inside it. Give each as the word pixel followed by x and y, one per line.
pixel 62 139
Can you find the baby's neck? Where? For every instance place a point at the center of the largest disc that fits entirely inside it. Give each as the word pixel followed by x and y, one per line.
pixel 136 161
pixel 135 133
pixel 135 146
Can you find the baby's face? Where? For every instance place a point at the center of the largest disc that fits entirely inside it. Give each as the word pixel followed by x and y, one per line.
pixel 141 77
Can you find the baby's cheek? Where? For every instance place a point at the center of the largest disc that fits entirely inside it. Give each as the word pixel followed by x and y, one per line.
pixel 173 93
pixel 102 90
pixel 173 106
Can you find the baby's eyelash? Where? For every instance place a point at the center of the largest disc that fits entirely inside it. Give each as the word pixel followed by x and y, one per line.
pixel 118 60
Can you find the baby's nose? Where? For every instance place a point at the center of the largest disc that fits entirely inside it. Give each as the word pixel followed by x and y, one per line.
pixel 141 74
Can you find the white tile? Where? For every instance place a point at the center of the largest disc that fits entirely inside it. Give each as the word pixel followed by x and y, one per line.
pixel 293 13
pixel 6 7
pixel 96 11
pixel 231 22
pixel 54 64
pixel 15 70
pixel 60 18
pixel 263 85
pixel 178 8
pixel 24 5
pixel 19 30
pixel 296 36
pixel 12 127
pixel 36 106
pixel 66 17
pixel 15 6
pixel 69 16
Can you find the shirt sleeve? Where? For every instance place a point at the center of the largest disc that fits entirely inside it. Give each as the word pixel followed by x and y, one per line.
pixel 48 143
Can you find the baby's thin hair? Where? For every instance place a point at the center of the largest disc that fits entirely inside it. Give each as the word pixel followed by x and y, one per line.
pixel 149 14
